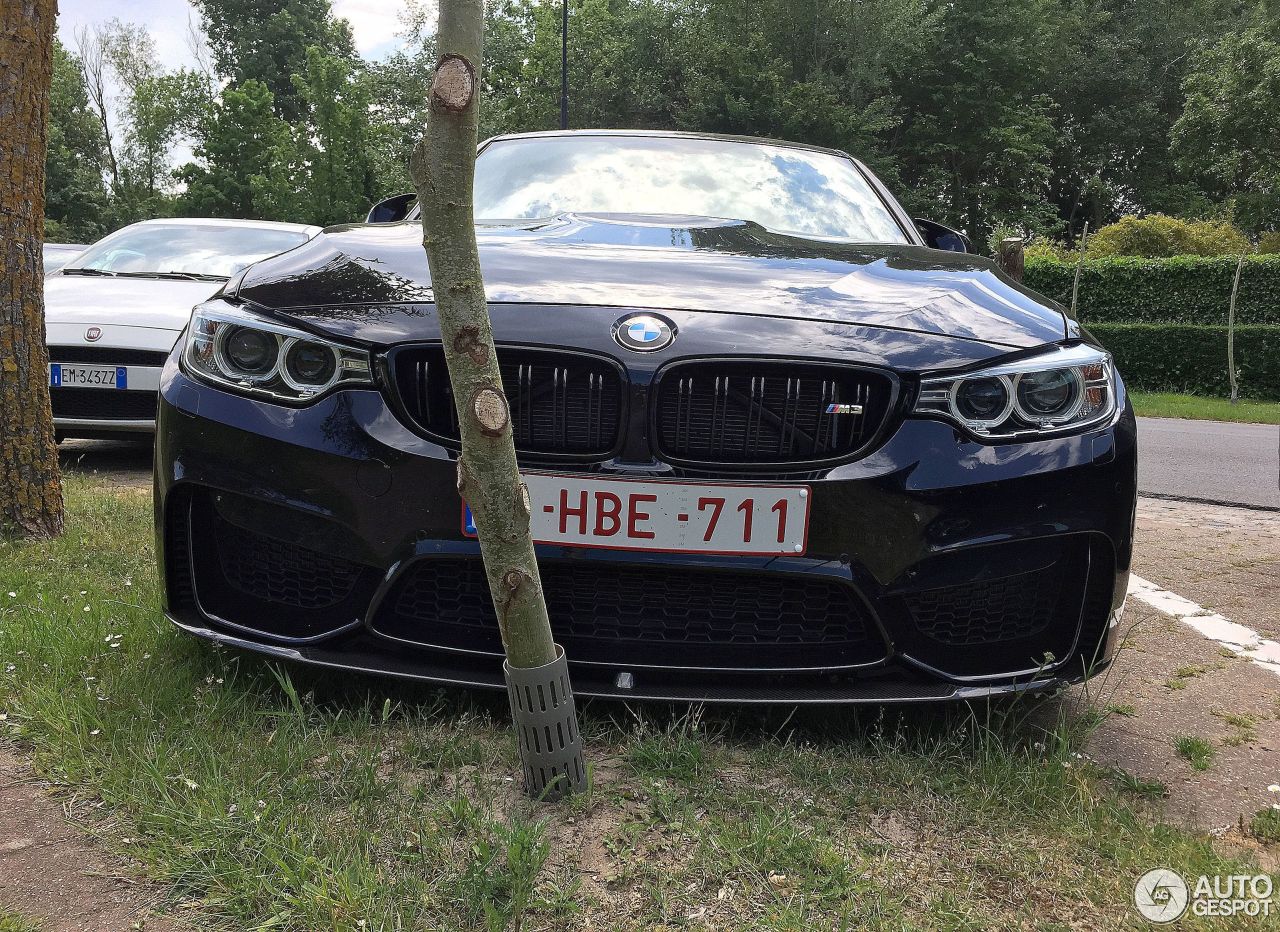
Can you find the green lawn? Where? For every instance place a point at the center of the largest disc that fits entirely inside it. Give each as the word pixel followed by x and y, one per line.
pixel 1151 404
pixel 280 798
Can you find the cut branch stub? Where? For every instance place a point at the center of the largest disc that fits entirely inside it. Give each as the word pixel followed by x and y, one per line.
pixel 454 84
pixel 491 411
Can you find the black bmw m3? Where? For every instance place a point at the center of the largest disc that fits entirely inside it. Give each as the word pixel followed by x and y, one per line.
pixel 778 448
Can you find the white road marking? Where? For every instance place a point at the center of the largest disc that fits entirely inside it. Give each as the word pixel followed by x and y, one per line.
pixel 1234 637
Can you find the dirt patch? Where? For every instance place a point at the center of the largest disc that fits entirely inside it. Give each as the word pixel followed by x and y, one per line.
pixel 1160 707
pixel 124 463
pixel 1227 559
pixel 51 871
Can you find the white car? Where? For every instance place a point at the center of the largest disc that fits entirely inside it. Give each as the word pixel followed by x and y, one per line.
pixel 56 255
pixel 114 312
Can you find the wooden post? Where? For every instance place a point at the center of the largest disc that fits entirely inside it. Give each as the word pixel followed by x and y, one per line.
pixel 1011 257
pixel 1231 333
pixel 1075 284
pixel 30 487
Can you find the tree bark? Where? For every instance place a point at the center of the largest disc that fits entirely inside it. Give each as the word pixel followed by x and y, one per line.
pixel 443 169
pixel 30 487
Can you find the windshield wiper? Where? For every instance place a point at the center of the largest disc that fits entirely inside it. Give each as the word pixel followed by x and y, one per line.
pixel 193 276
pixel 87 271
pixel 181 276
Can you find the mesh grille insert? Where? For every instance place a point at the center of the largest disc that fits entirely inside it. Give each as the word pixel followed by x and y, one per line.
pixel 660 616
pixel 280 572
pixel 988 612
pixel 103 404
pixel 765 411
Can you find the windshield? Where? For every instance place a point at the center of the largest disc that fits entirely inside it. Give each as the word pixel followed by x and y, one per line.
pixel 784 189
pixel 185 248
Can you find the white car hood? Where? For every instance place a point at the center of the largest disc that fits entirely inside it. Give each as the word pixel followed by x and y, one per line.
pixel 156 304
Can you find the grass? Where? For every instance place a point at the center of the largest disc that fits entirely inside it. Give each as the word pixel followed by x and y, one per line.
pixel 270 797
pixel 12 922
pixel 1199 407
pixel 1198 752
pixel 1265 826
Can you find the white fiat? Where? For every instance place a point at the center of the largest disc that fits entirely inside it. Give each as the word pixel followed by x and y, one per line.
pixel 113 313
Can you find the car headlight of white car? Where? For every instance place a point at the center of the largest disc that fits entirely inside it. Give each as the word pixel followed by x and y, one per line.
pixel 245 352
pixel 1065 390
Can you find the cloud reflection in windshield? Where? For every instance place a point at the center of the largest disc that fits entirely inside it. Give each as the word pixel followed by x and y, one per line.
pixel 783 189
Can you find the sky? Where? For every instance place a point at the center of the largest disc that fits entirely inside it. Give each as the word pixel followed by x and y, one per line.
pixel 374 23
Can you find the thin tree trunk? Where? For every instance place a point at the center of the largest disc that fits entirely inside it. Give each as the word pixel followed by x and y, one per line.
pixel 443 168
pixel 1075 282
pixel 1231 333
pixel 30 488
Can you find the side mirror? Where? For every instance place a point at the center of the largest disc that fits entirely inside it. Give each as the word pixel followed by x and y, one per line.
pixel 392 209
pixel 936 236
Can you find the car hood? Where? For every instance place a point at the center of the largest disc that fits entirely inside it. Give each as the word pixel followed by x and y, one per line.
pixel 159 304
pixel 667 263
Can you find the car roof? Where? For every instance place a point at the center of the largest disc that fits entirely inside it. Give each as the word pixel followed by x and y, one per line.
pixel 671 134
pixel 220 222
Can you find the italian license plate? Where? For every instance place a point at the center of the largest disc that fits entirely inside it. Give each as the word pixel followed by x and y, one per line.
pixel 672 517
pixel 62 375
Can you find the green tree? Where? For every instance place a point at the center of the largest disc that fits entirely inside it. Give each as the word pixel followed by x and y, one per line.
pixel 267 41
pixel 977 124
pixel 76 197
pixel 340 184
pixel 1227 133
pixel 249 167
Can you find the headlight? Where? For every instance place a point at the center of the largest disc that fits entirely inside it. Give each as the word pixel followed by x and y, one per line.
pixel 247 353
pixel 1064 390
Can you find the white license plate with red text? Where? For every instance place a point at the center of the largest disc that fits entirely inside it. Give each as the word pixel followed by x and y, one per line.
pixel 673 517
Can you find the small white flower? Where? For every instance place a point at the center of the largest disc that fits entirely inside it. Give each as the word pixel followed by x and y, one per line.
pixel 191 784
pixel 84 591
pixel 1274 788
pixel 86 608
pixel 13 595
pixel 146 656
pixel 95 732
pixel 3 717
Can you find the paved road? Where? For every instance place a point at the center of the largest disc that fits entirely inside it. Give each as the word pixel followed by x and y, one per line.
pixel 1209 460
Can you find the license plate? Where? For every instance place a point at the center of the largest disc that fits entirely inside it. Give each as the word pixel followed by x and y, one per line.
pixel 672 517
pixel 65 376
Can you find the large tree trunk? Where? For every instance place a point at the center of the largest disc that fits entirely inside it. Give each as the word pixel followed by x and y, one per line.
pixel 443 168
pixel 30 489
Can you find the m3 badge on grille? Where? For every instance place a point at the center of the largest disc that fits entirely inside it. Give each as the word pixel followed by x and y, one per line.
pixel 844 409
pixel 643 333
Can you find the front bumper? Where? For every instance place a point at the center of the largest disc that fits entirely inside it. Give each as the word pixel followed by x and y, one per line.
pixel 944 569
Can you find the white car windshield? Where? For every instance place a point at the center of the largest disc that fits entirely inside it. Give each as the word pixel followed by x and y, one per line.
pixel 183 250
pixel 785 189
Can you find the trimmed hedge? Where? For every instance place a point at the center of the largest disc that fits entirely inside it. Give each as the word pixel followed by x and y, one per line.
pixel 1181 290
pixel 1193 359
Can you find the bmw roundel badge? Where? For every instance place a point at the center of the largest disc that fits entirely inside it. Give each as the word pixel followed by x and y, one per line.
pixel 643 333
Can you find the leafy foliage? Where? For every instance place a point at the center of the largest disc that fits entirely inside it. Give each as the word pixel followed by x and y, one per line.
pixel 267 41
pixel 1227 131
pixel 248 154
pixel 1193 359
pixel 1158 236
pixel 1030 116
pixel 1186 289
pixel 75 195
